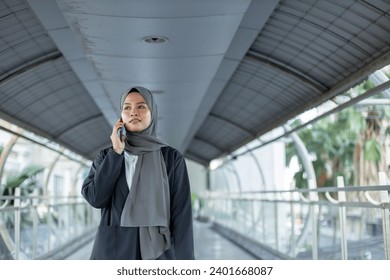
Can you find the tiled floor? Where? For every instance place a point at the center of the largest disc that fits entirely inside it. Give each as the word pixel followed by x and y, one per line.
pixel 209 245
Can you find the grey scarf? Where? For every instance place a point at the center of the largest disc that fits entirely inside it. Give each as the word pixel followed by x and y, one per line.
pixel 148 203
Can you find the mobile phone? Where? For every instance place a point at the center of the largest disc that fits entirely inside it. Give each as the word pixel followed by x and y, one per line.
pixel 122 133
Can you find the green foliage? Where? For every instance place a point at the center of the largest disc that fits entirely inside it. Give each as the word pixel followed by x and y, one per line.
pixel 331 141
pixel 372 150
pixel 368 85
pixel 25 180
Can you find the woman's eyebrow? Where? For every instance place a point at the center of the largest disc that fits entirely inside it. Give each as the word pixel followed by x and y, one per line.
pixel 142 102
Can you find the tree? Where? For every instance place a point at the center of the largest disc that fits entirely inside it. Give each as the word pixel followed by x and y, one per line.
pixel 26 180
pixel 350 143
pixel 331 142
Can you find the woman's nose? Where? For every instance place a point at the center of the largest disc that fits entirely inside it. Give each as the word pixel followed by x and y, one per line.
pixel 134 112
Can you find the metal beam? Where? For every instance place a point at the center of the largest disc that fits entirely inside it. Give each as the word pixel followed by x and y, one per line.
pixel 236 125
pixel 73 126
pixel 29 66
pixel 287 70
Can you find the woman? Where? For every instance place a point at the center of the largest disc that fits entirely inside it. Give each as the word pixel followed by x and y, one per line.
pixel 141 186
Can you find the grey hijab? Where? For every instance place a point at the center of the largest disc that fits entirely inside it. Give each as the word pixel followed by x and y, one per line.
pixel 148 203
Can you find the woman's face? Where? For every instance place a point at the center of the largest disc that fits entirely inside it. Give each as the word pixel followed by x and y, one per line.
pixel 135 112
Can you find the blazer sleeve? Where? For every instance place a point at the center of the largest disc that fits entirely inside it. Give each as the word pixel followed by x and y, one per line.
pixel 181 211
pixel 100 183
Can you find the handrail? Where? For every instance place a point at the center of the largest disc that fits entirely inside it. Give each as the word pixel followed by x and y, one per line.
pixel 37 227
pixel 346 228
pixel 319 190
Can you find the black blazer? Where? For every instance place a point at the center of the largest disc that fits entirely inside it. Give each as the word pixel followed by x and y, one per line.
pixel 106 188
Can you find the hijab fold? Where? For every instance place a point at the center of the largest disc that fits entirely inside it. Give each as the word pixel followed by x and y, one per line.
pixel 147 205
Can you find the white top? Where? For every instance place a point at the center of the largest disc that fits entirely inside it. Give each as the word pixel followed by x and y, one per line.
pixel 130 162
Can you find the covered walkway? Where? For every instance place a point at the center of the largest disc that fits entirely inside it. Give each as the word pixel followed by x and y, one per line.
pixel 239 84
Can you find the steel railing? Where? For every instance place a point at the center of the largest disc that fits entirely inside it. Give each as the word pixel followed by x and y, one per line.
pixel 38 227
pixel 325 223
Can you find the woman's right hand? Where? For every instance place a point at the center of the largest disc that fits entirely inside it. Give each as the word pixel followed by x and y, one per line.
pixel 117 144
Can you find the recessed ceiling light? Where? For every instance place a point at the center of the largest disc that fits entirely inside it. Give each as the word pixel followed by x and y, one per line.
pixel 155 39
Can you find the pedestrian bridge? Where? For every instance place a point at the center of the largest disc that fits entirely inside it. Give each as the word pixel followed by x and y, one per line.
pixel 242 88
